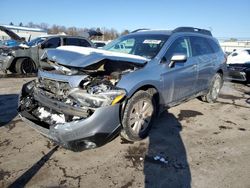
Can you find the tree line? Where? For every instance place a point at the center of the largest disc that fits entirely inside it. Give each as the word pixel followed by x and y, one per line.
pixel 108 33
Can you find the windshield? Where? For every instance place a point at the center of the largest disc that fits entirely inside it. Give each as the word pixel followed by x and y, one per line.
pixel 36 41
pixel 146 45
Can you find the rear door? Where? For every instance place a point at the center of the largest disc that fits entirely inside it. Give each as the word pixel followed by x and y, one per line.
pixel 180 80
pixel 206 59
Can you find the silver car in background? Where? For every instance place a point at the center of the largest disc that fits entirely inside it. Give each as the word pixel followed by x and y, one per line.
pixel 89 96
pixel 25 58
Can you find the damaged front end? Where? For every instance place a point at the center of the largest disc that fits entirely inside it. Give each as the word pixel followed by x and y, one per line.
pixel 77 107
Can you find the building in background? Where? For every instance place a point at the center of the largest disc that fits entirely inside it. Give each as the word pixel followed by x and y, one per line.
pixel 26 32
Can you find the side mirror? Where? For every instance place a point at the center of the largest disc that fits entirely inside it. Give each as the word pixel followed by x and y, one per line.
pixel 177 58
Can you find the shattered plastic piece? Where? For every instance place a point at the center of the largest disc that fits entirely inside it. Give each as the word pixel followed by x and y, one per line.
pixel 156 158
pixel 58 118
pixel 43 113
pixel 55 118
pixel 163 160
pixel 76 118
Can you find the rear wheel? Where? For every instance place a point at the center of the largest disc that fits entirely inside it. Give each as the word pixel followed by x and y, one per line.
pixel 138 116
pixel 214 89
pixel 25 65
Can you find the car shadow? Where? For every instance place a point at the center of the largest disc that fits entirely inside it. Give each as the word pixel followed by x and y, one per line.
pixel 8 108
pixel 166 163
pixel 31 172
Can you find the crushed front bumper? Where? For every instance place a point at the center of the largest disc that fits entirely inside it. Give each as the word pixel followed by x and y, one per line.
pixel 90 132
pixel 239 72
pixel 5 62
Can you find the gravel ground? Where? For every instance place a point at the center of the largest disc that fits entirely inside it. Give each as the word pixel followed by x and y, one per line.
pixel 205 145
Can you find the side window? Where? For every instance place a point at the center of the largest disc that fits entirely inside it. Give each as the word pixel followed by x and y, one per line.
pixel 180 46
pixel 52 43
pixel 84 43
pixel 214 45
pixel 71 41
pixel 200 46
pixel 125 46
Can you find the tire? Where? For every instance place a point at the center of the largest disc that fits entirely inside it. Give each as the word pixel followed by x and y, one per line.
pixel 25 65
pixel 138 116
pixel 214 89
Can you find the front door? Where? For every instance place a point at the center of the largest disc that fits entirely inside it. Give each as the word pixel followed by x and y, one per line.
pixel 179 80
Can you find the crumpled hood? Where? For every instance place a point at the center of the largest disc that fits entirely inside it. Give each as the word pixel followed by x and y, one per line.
pixel 75 56
pixel 11 34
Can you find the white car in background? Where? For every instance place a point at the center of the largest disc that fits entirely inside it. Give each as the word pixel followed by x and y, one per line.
pixel 239 57
pixel 239 65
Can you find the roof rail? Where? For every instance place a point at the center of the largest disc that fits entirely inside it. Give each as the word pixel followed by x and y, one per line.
pixel 192 29
pixel 143 29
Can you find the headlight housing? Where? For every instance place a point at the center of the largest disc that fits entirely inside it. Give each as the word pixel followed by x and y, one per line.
pixel 109 97
pixel 8 53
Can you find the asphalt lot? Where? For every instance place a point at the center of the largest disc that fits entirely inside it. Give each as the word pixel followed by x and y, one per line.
pixel 206 145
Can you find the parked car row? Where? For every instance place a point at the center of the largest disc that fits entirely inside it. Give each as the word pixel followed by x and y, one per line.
pixel 24 57
pixel 89 95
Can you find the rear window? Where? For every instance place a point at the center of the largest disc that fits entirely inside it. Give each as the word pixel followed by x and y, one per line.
pixel 200 46
pixel 71 41
pixel 76 42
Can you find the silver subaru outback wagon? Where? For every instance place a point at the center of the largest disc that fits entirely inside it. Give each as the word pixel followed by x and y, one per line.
pixel 87 96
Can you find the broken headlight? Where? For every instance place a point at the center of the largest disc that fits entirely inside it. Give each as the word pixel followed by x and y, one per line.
pixel 8 53
pixel 110 97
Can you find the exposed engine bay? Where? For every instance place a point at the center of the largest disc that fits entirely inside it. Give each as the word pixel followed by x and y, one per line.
pixel 56 100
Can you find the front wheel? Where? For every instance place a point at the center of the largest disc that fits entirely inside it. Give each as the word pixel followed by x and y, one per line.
pixel 214 89
pixel 25 65
pixel 138 116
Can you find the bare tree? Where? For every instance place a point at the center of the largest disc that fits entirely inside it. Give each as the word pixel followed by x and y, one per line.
pixel 72 31
pixel 108 34
pixel 125 32
pixel 54 29
pixel 44 26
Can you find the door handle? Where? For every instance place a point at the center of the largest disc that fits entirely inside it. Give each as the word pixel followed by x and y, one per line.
pixel 194 66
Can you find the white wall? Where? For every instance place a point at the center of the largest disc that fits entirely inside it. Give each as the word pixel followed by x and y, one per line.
pixel 26 33
pixel 230 46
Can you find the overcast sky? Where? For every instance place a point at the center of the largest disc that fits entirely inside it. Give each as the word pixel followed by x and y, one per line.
pixel 224 17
